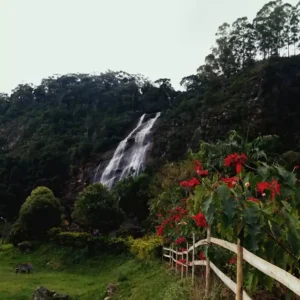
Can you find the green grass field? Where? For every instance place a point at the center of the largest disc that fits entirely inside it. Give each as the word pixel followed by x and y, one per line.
pixel 82 277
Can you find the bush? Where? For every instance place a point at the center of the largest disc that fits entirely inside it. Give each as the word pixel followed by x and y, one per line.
pixel 25 246
pixel 85 240
pixel 18 234
pixel 96 207
pixel 147 247
pixel 40 212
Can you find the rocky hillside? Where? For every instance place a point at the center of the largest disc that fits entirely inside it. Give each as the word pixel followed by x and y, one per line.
pixel 56 134
pixel 51 133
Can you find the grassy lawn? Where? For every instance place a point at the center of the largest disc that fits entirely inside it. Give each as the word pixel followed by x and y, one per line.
pixel 82 277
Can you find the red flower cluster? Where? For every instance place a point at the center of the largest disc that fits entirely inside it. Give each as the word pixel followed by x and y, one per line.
pixel 180 240
pixel 273 187
pixel 190 183
pixel 160 230
pixel 236 160
pixel 297 167
pixel 198 164
pixel 181 261
pixel 200 220
pixel 199 170
pixel 176 215
pixel 252 199
pixel 202 256
pixel 159 215
pixel 182 249
pixel 203 173
pixel 231 182
pixel 232 260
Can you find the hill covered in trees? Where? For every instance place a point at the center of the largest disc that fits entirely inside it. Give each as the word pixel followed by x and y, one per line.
pixel 250 82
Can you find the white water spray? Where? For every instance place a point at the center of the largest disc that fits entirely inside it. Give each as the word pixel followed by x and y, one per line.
pixel 125 161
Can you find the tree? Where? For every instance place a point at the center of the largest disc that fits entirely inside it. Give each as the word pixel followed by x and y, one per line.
pixel 96 207
pixel 132 193
pixel 243 39
pixel 166 86
pixel 224 51
pixel 40 212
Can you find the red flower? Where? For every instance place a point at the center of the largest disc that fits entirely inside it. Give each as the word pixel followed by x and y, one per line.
pixel 236 160
pixel 297 167
pixel 191 183
pixel 160 230
pixel 159 215
pixel 202 256
pixel 232 260
pixel 180 240
pixel 231 182
pixel 181 261
pixel 198 164
pixel 203 173
pixel 262 186
pixel 252 199
pixel 274 187
pixel 200 220
pixel 182 249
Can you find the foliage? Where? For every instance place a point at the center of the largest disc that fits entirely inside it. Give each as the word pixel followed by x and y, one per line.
pixel 18 233
pixel 214 153
pixel 256 202
pixel 179 291
pixel 55 267
pixel 133 197
pixel 96 207
pixel 145 248
pixel 40 212
pixel 51 130
pixel 90 242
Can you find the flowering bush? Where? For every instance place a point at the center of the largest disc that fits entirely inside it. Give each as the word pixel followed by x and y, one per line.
pixel 246 199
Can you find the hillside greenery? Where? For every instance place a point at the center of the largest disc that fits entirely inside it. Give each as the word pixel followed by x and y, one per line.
pixel 80 275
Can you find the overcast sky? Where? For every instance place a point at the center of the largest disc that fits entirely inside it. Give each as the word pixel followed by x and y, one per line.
pixel 157 38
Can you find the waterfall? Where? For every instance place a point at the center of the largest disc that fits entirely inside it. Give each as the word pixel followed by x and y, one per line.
pixel 127 159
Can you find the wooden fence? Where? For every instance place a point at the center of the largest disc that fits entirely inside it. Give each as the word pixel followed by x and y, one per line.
pixel 285 278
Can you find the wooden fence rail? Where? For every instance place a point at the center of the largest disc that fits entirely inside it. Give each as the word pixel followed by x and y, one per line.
pixel 285 278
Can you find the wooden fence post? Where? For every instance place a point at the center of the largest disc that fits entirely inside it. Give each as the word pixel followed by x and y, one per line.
pixel 239 271
pixel 187 259
pixel 207 273
pixel 176 259
pixel 171 253
pixel 193 259
pixel 182 256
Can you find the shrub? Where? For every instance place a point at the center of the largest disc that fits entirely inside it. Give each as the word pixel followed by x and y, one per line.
pixel 147 247
pixel 40 212
pixel 85 240
pixel 96 207
pixel 25 246
pixel 18 234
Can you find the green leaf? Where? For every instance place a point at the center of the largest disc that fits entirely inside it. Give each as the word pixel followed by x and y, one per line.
pixel 251 279
pixel 252 237
pixel 223 191
pixel 287 206
pixel 289 177
pixel 229 208
pixel 251 215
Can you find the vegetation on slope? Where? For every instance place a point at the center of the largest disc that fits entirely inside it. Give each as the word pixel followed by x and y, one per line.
pixel 83 277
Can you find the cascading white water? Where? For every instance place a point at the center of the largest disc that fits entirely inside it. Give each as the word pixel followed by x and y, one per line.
pixel 132 159
pixel 138 155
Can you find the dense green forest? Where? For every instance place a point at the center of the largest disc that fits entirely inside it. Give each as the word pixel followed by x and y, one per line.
pixel 249 82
